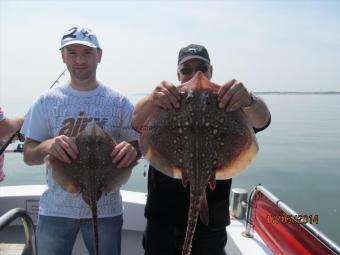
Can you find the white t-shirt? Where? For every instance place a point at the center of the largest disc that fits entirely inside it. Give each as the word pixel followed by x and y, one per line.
pixel 63 110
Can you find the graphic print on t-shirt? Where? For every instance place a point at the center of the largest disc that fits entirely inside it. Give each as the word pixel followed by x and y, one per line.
pixel 73 126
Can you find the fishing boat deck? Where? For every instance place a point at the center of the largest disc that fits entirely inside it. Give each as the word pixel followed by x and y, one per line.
pixel 27 197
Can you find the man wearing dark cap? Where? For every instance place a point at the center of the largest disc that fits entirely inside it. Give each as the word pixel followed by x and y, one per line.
pixel 168 201
pixel 52 122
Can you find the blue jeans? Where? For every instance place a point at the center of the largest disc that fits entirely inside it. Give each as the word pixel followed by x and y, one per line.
pixel 57 235
pixel 162 239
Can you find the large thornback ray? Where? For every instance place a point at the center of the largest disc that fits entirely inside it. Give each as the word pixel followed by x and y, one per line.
pixel 92 173
pixel 198 143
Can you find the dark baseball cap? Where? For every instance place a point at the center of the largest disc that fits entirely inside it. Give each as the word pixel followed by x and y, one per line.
pixel 193 51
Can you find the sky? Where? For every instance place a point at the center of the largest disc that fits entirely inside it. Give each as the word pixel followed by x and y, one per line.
pixel 268 45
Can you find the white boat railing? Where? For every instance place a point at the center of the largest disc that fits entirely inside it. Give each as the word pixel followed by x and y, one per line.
pixel 12 215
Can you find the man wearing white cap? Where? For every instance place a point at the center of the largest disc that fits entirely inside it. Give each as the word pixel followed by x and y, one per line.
pixel 167 203
pixel 60 114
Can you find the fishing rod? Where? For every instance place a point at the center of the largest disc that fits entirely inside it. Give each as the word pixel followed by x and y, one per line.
pixel 57 80
pixel 21 138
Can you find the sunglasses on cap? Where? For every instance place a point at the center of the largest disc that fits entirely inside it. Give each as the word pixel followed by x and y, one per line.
pixel 189 70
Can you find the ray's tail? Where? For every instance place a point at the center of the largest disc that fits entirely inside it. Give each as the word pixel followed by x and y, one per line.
pixel 95 227
pixel 93 205
pixel 194 211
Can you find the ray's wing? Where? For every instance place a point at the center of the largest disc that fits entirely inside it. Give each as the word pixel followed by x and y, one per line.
pixel 66 175
pixel 117 177
pixel 233 142
pixel 161 142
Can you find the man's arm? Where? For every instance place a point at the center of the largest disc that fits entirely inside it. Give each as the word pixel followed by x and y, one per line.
pixel 142 110
pixel 10 126
pixel 165 95
pixel 61 147
pixel 258 113
pixel 233 95
pixel 35 152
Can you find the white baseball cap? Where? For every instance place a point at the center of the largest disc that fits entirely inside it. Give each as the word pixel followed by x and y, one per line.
pixel 80 35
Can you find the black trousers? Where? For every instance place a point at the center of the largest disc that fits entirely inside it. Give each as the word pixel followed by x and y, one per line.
pixel 162 239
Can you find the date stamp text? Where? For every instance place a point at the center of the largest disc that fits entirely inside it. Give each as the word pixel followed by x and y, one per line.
pixel 293 219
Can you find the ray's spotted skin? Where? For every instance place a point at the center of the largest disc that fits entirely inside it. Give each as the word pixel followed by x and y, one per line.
pixel 92 173
pixel 198 142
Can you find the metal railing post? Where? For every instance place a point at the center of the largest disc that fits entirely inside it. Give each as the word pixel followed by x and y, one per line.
pixel 13 214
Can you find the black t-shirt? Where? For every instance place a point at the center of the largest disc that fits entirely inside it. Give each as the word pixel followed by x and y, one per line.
pixel 168 201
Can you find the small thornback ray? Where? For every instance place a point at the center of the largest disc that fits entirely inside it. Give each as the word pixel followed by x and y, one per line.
pixel 198 143
pixel 92 173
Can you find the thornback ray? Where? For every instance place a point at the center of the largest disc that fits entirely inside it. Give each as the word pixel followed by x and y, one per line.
pixel 198 143
pixel 92 173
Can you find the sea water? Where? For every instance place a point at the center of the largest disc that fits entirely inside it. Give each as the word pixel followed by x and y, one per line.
pixel 298 160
